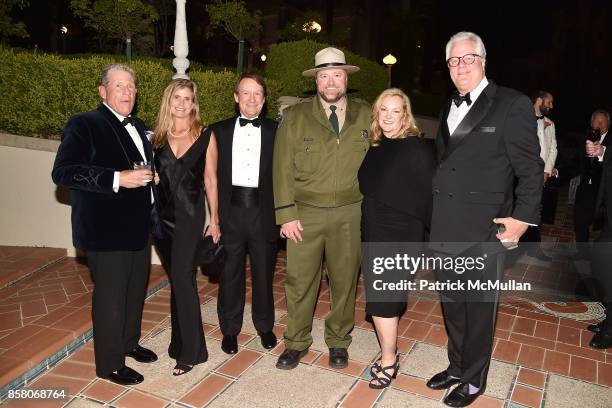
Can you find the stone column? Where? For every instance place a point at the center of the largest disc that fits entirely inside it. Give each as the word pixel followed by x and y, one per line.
pixel 181 45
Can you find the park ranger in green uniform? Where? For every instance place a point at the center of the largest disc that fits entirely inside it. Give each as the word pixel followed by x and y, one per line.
pixel 319 147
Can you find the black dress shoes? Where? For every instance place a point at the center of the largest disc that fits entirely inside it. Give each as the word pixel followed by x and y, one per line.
pixel 595 328
pixel 229 344
pixel 124 376
pixel 601 340
pixel 290 358
pixel 460 396
pixel 268 339
pixel 442 381
pixel 142 355
pixel 338 357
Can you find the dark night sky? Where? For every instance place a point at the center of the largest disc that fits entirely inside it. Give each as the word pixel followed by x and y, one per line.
pixel 559 45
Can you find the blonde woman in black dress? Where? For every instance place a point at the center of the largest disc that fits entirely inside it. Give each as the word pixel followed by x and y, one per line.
pixel 395 180
pixel 186 165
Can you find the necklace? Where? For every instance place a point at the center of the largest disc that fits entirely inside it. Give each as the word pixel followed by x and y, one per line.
pixel 183 133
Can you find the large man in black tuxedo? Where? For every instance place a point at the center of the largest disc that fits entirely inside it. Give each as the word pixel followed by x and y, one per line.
pixel 246 213
pixel 602 247
pixel 111 218
pixel 487 139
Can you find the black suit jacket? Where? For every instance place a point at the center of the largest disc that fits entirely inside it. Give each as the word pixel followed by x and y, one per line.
pixel 224 133
pixel 494 145
pixel 603 204
pixel 95 145
pixel 588 168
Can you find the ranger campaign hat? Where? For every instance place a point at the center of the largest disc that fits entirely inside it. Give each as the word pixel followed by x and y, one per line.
pixel 327 58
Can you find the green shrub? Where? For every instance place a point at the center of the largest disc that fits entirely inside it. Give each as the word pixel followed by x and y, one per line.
pixel 286 62
pixel 39 92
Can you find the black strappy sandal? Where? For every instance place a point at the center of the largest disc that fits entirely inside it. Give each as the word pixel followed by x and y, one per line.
pixel 385 379
pixel 184 369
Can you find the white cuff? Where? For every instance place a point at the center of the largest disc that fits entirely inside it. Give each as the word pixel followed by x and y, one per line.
pixel 602 155
pixel 116 182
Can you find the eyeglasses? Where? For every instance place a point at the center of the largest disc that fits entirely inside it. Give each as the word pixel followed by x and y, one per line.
pixel 468 59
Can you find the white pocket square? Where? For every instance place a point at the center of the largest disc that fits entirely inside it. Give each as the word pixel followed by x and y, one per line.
pixel 486 129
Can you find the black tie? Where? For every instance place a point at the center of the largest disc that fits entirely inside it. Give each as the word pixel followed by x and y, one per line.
pixel 128 120
pixel 539 117
pixel 255 122
pixel 333 119
pixel 458 99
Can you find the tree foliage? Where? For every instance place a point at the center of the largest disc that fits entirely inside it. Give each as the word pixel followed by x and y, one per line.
pixel 116 19
pixel 235 19
pixel 8 27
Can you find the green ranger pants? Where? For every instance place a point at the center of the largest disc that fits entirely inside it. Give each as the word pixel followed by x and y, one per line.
pixel 333 234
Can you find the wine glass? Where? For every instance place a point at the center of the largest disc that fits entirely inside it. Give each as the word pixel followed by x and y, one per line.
pixel 594 135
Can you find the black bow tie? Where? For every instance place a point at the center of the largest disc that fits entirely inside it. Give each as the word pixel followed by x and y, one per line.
pixel 128 120
pixel 255 122
pixel 539 117
pixel 458 99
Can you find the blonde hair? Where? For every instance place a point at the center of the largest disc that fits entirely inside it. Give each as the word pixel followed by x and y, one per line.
pixel 163 124
pixel 409 126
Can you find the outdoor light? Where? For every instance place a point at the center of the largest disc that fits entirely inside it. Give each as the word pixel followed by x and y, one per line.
pixel 311 27
pixel 389 60
pixel 64 30
pixel 263 57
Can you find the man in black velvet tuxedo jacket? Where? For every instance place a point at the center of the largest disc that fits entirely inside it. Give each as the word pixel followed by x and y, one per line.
pixel 487 139
pixel 111 217
pixel 246 213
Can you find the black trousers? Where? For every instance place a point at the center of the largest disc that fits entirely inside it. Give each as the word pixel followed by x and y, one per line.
pixel 584 211
pixel 600 263
pixel 120 284
pixel 469 317
pixel 244 231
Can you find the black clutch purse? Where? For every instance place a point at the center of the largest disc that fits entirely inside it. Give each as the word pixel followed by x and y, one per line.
pixel 211 257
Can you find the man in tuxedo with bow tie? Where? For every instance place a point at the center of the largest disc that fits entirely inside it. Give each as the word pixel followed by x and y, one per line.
pixel 246 213
pixel 112 207
pixel 602 247
pixel 543 105
pixel 487 139
pixel 589 169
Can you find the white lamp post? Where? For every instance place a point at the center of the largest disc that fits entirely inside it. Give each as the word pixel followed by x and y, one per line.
pixel 389 60
pixel 181 45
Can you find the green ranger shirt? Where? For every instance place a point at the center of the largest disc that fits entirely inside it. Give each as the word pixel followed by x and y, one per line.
pixel 312 164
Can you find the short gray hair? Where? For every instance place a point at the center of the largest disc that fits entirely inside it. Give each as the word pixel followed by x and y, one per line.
pixel 601 111
pixel 466 35
pixel 104 78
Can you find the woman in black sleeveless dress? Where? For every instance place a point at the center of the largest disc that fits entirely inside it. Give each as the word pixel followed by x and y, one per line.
pixel 186 163
pixel 395 180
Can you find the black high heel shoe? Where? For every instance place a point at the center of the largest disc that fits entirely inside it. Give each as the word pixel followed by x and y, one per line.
pixel 182 369
pixel 381 378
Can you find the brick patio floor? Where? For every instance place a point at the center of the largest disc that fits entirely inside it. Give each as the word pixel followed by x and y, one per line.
pixel 541 355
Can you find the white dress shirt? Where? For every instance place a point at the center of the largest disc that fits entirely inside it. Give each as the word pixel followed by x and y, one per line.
pixel 246 150
pixel 457 113
pixel 137 141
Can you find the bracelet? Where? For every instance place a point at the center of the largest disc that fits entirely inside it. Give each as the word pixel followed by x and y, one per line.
pixel 214 225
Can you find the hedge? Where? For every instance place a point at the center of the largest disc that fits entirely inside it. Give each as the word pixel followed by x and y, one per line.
pixel 286 62
pixel 39 92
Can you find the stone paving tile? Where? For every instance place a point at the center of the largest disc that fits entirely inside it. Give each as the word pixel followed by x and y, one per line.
pixel 563 392
pixel 263 385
